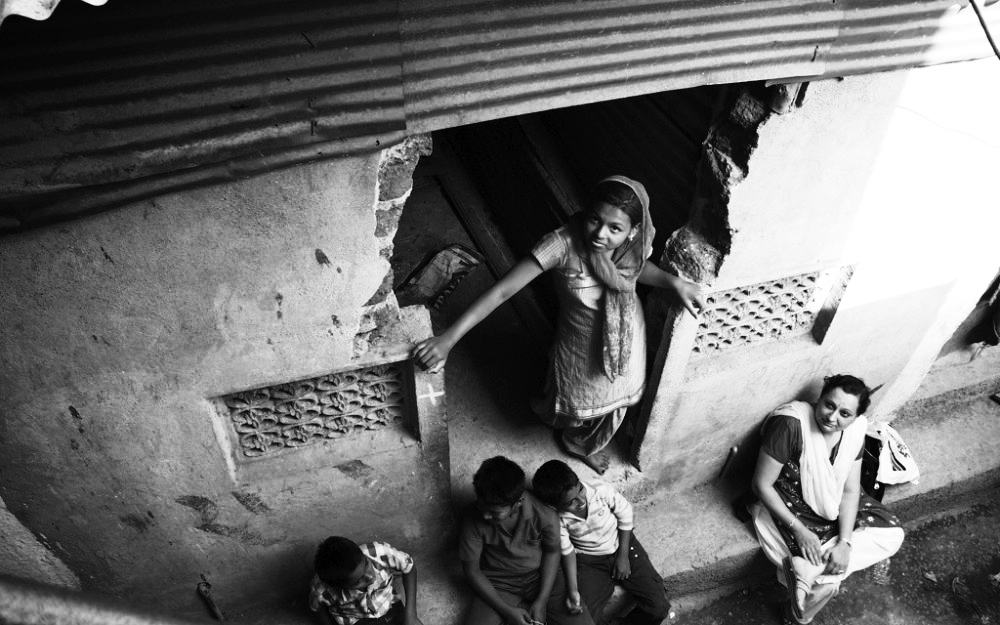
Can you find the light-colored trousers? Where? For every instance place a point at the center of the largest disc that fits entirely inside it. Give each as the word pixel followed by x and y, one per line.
pixel 869 545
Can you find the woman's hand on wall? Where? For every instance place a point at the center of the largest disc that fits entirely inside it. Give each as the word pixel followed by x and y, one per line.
pixel 431 353
pixel 689 293
pixel 691 296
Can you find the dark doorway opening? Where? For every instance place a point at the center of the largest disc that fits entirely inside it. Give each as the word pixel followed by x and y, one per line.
pixel 495 188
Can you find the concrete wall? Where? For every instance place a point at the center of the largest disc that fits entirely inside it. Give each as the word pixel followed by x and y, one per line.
pixel 118 331
pixel 888 172
pixel 24 555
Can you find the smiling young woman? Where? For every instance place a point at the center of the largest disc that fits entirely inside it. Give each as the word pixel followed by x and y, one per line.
pixel 598 364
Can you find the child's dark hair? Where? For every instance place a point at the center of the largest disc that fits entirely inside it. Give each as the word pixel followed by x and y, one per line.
pixel 499 482
pixel 620 196
pixel 852 386
pixel 552 481
pixel 336 559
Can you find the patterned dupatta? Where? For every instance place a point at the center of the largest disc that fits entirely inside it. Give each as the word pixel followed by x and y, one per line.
pixel 619 272
pixel 823 482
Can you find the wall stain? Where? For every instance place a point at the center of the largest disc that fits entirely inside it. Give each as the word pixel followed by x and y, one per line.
pixel 137 522
pixel 243 534
pixel 203 505
pixel 76 415
pixel 355 469
pixel 252 502
pixel 73 444
pixel 335 320
pixel 279 298
pixel 107 256
pixel 322 258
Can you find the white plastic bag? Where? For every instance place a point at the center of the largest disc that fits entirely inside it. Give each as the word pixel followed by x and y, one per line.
pixel 895 464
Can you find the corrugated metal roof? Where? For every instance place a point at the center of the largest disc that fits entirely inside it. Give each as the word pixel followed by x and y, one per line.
pixel 106 105
pixel 469 61
pixel 152 89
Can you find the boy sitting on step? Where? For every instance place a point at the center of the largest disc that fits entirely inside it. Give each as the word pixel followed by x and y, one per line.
pixel 509 548
pixel 353 584
pixel 598 548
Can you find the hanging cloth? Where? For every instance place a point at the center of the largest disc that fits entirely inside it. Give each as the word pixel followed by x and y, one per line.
pixel 619 272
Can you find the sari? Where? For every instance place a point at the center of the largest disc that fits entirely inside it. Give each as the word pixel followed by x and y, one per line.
pixel 811 484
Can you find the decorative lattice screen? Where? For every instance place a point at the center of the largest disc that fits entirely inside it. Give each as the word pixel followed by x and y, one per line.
pixel 770 310
pixel 275 418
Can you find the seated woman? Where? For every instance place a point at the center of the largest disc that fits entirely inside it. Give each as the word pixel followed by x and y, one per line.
pixel 812 519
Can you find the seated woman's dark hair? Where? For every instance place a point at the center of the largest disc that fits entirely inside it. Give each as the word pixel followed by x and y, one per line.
pixel 620 196
pixel 852 386
pixel 553 480
pixel 336 559
pixel 498 482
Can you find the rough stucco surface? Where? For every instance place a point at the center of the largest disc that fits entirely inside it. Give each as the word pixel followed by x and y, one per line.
pixel 118 331
pixel 824 190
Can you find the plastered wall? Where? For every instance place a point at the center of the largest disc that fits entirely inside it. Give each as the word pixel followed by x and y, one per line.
pixel 886 172
pixel 120 329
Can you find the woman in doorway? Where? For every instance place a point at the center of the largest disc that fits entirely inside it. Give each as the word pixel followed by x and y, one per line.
pixel 812 519
pixel 598 360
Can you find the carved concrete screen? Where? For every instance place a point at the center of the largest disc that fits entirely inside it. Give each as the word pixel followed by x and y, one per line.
pixel 770 311
pixel 338 405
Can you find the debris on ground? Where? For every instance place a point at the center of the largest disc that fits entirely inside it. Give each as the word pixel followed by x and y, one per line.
pixel 435 279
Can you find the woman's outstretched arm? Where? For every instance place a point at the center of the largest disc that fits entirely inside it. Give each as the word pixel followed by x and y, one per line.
pixel 688 292
pixel 431 353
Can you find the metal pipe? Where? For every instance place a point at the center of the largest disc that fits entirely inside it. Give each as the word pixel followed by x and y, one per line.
pixel 24 602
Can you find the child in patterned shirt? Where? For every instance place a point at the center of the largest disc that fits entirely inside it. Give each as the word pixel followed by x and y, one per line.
pixel 353 584
pixel 598 548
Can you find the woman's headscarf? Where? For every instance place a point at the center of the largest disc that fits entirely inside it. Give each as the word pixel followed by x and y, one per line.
pixel 619 271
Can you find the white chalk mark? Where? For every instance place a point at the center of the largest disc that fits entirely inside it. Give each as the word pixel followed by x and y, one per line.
pixel 431 394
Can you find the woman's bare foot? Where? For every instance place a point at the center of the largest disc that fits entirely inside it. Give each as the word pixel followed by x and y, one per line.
pixel 599 461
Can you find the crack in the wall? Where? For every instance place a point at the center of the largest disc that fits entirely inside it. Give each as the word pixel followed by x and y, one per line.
pixel 698 249
pixel 395 182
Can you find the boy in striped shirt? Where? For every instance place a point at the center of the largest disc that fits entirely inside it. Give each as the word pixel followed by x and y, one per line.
pixel 353 584
pixel 598 548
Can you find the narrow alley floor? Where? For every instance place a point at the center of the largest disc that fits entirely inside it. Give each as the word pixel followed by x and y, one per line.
pixel 941 576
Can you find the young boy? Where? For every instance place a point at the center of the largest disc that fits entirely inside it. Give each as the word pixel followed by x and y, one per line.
pixel 353 584
pixel 598 547
pixel 509 548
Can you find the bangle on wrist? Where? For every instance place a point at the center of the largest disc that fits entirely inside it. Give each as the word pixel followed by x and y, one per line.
pixel 846 541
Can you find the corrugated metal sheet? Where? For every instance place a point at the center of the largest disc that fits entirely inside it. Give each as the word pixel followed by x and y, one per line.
pixel 152 96
pixel 469 61
pixel 102 105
